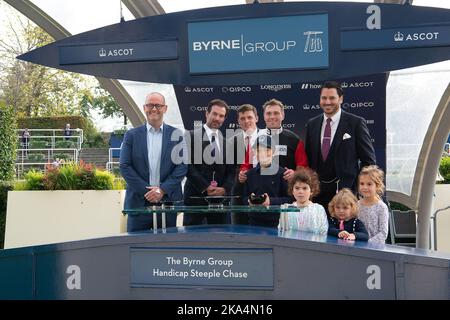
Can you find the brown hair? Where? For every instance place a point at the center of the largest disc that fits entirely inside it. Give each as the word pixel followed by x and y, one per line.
pixel 273 102
pixel 344 197
pixel 247 107
pixel 307 176
pixel 219 103
pixel 376 175
pixel 333 85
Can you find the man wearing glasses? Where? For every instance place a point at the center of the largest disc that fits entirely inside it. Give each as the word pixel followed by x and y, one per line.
pixel 146 165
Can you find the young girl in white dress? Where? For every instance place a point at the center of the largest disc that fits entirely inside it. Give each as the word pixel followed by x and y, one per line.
pixel 311 217
pixel 373 212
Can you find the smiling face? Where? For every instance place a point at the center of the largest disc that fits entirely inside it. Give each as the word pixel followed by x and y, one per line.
pixel 301 192
pixel 154 109
pixel 330 102
pixel 273 116
pixel 216 117
pixel 367 187
pixel 247 121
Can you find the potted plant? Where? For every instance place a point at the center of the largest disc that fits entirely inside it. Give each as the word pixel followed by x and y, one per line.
pixel 69 202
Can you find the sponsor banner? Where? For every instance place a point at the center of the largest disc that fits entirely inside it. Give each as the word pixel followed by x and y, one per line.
pixel 364 96
pixel 394 38
pixel 118 52
pixel 279 43
pixel 224 268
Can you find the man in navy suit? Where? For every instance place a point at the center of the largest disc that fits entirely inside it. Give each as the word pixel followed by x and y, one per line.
pixel 337 143
pixel 147 166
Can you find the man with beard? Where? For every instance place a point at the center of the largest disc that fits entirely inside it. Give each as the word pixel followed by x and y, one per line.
pixel 338 144
pixel 208 173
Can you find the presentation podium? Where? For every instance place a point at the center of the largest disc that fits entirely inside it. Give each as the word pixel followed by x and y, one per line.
pixel 222 262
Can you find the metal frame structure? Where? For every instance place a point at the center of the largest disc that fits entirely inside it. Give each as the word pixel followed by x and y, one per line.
pixel 424 178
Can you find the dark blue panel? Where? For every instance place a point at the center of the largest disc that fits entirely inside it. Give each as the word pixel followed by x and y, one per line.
pixel 16 274
pixel 363 52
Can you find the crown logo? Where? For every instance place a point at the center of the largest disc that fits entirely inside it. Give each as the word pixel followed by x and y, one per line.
pixel 102 52
pixel 187 89
pixel 399 37
pixel 344 85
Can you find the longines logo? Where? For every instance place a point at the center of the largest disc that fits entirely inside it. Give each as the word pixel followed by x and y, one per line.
pixel 199 90
pixel 236 89
pixel 418 36
pixel 102 53
pixel 275 87
pixel 313 41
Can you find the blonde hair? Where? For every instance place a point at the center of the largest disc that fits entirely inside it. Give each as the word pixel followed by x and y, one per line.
pixel 376 175
pixel 344 197
pixel 273 102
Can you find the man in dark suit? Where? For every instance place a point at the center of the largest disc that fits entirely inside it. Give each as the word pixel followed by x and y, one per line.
pixel 208 172
pixel 244 156
pixel 337 143
pixel 147 167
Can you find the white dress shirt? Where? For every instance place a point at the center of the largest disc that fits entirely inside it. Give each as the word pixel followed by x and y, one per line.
pixel 154 146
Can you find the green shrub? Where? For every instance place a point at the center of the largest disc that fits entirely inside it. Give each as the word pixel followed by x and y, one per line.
pixel 36 157
pixel 65 144
pixel 8 142
pixel 103 180
pixel 96 140
pixel 70 176
pixel 4 188
pixel 119 184
pixel 444 169
pixel 39 144
pixel 34 180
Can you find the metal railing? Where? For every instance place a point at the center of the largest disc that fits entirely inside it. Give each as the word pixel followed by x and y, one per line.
pixel 434 224
pixel 26 158
pixel 52 136
pixel 111 164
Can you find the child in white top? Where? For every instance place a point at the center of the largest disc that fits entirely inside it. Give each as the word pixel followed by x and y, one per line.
pixel 373 212
pixel 311 217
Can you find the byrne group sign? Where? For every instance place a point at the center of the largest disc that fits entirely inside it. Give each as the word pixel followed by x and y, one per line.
pixel 292 42
pixel 257 44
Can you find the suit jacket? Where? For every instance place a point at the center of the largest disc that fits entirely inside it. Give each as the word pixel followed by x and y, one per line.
pixel 200 174
pixel 134 166
pixel 350 154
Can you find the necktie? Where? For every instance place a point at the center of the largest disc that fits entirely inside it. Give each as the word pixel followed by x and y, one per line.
pixel 341 225
pixel 247 165
pixel 326 142
pixel 214 145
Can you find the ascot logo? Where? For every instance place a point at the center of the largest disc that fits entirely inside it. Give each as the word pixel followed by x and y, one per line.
pixel 102 53
pixel 417 36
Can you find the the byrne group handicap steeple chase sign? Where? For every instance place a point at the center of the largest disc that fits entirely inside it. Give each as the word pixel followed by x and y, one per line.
pixel 258 44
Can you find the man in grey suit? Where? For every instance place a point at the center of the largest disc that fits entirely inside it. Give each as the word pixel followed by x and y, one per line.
pixel 147 166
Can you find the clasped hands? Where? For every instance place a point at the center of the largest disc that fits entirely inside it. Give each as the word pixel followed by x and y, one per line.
pixel 154 194
pixel 346 235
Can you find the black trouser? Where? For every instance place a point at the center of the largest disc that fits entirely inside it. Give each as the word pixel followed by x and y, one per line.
pixel 192 219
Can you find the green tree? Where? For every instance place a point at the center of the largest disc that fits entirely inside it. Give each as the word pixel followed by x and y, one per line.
pixel 34 90
pixel 101 100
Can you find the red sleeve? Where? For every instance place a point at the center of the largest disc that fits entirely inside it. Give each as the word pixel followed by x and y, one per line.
pixel 300 155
